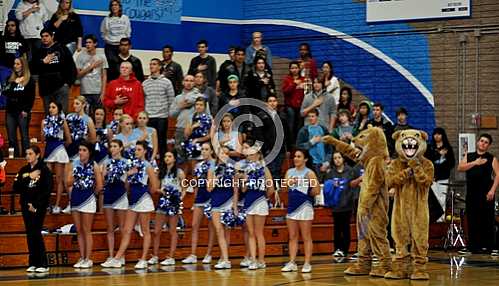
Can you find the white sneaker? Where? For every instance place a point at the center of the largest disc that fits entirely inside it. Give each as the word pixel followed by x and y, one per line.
pixel 261 265
pixel 307 268
pixel 253 265
pixel 245 262
pixel 42 270
pixel 106 262
pixel 87 263
pixel 113 263
pixel 78 263
pixel 122 261
pixel 142 264
pixel 191 259
pixel 168 261
pixel 289 267
pixel 338 253
pixel 56 210
pixel 224 264
pixel 207 259
pixel 31 269
pixel 67 210
pixel 153 260
pixel 494 253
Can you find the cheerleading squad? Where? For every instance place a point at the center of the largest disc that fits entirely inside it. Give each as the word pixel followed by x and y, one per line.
pixel 227 194
pixel 89 158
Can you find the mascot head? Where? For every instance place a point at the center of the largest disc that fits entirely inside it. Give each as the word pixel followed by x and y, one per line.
pixel 410 144
pixel 369 143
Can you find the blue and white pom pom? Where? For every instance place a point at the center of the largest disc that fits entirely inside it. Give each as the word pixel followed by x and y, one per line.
pixel 207 211
pixel 230 219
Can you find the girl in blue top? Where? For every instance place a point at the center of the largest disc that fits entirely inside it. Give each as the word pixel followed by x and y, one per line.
pixel 223 200
pixel 102 138
pixel 258 186
pixel 84 178
pixel 302 185
pixel 55 131
pixel 197 130
pixel 114 172
pixel 151 136
pixel 81 127
pixel 114 126
pixel 201 202
pixel 141 179
pixel 168 209
pixel 129 136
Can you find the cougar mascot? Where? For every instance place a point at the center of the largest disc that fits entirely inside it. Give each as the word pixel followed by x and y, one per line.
pixel 410 175
pixel 372 218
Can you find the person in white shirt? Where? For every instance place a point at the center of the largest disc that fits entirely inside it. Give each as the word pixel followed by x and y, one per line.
pixel 31 15
pixel 331 83
pixel 113 28
pixel 92 72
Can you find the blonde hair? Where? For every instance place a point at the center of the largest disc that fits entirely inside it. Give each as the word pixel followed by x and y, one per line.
pixel 59 11
pixel 25 72
pixel 144 113
pixel 81 99
pixel 122 119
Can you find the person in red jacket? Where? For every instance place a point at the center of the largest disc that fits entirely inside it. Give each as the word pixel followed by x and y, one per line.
pixel 292 88
pixel 124 92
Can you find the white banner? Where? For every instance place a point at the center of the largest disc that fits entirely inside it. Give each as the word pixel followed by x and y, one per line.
pixel 400 10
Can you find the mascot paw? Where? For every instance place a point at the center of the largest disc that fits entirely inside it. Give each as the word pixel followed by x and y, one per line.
pixel 358 269
pixel 378 272
pixel 329 140
pixel 420 275
pixel 396 275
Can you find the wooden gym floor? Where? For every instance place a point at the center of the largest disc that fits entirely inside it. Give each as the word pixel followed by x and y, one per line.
pixel 444 268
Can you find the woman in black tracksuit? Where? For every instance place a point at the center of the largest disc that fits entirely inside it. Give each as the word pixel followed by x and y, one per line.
pixel 34 183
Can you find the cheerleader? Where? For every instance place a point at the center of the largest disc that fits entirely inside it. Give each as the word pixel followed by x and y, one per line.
pixel 229 137
pixel 114 172
pixel 256 205
pixel 114 126
pixel 151 136
pixel 54 131
pixel 128 136
pixel 302 185
pixel 168 209
pixel 81 127
pixel 223 203
pixel 84 178
pixel 240 169
pixel 101 132
pixel 201 202
pixel 140 208
pixel 197 130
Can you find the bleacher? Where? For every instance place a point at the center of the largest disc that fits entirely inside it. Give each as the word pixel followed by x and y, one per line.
pixel 62 249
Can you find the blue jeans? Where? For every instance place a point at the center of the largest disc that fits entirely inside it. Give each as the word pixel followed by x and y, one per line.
pixel 13 122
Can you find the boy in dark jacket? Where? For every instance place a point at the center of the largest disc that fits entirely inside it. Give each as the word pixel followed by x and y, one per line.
pixel 56 69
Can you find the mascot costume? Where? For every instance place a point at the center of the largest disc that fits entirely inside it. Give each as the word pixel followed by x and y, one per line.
pixel 372 218
pixel 411 176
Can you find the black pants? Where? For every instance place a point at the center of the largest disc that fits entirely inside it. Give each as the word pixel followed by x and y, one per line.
pixel 33 223
pixel 161 126
pixel 389 227
pixel 342 230
pixel 481 216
